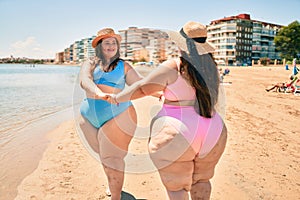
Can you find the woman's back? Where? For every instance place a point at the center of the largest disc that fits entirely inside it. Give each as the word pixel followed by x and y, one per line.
pixel 180 90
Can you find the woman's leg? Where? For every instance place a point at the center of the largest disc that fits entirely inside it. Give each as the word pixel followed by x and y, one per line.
pixel 114 138
pixel 178 195
pixel 204 169
pixel 272 88
pixel 173 156
pixel 276 86
pixel 90 133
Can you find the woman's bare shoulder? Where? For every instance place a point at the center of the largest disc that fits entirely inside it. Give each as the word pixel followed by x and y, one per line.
pixel 128 67
pixel 126 64
pixel 172 63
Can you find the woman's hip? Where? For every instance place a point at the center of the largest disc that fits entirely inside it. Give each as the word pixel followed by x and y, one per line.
pixel 98 112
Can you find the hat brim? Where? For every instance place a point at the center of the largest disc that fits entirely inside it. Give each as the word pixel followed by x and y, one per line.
pixel 181 42
pixel 97 39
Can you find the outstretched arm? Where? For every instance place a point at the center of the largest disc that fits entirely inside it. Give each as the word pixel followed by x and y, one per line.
pixel 86 80
pixel 156 81
pixel 133 76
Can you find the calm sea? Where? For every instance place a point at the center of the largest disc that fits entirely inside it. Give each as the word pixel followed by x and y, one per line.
pixel 28 93
pixel 33 100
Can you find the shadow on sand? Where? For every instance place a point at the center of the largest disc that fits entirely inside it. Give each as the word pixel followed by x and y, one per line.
pixel 128 196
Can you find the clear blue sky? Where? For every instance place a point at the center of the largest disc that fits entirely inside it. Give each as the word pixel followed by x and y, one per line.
pixel 40 28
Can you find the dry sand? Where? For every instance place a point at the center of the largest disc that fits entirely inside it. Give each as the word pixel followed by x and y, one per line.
pixel 261 160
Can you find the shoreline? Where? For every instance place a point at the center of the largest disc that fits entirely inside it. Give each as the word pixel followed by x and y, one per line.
pixel 261 160
pixel 21 155
pixel 68 65
pixel 72 157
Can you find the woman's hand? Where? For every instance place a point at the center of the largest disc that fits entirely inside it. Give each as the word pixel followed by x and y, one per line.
pixel 101 95
pixel 111 98
pixel 159 95
pixel 98 94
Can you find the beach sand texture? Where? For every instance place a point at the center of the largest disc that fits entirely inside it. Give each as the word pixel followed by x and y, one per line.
pixel 261 160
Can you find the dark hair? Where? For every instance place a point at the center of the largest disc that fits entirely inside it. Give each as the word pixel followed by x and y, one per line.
pixel 205 79
pixel 114 61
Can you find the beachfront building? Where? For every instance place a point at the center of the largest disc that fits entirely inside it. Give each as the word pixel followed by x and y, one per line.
pixel 59 57
pixel 238 40
pixel 141 55
pixel 138 44
pixel 79 51
pixel 136 39
pixel 133 39
pixel 157 50
pixel 88 50
pixel 263 45
pixel 71 49
pixel 67 55
pixel 171 50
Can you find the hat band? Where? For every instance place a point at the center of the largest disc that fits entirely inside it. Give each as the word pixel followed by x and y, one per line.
pixel 198 39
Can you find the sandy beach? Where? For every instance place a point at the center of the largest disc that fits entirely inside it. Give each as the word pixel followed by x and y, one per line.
pixel 261 160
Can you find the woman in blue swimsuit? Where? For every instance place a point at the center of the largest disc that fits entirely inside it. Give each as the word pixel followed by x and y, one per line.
pixel 108 128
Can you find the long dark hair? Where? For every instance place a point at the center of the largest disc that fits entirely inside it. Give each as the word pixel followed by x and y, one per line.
pixel 204 78
pixel 113 61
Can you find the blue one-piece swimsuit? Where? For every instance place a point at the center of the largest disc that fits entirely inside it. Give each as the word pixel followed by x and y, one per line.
pixel 98 111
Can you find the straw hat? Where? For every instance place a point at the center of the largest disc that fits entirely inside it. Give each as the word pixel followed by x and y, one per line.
pixel 192 35
pixel 105 33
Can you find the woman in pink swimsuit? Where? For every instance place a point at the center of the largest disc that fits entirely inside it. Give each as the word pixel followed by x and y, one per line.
pixel 188 136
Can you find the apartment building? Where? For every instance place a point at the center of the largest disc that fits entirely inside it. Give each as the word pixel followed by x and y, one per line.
pixel 171 49
pixel 59 57
pixel 263 45
pixel 241 41
pixel 66 55
pixel 238 40
pixel 79 51
pixel 136 40
pixel 157 50
pixel 88 50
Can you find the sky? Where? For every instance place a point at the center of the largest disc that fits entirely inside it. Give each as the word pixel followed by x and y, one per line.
pixel 41 28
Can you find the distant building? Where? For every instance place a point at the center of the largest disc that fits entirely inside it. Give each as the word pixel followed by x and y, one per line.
pixel 157 50
pixel 79 51
pixel 59 57
pixel 136 39
pixel 263 45
pixel 141 55
pixel 67 55
pixel 239 40
pixel 88 50
pixel 71 49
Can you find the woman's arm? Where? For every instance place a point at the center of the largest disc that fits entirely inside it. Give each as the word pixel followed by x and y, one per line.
pixel 86 80
pixel 156 81
pixel 132 75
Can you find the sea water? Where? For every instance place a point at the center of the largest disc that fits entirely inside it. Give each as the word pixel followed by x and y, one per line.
pixel 33 99
pixel 28 93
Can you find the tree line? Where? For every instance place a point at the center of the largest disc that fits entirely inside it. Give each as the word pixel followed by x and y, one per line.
pixel 287 41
